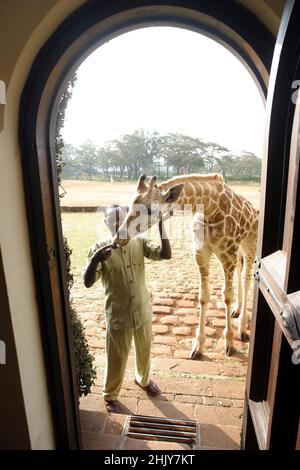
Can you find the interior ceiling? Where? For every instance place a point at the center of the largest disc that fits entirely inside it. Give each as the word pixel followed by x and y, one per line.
pixel 32 12
pixel 268 11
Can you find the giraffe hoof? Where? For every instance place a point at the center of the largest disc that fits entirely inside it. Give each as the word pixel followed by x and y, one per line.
pixel 196 355
pixel 229 350
pixel 244 337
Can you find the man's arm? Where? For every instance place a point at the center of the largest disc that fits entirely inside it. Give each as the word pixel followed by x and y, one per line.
pixel 99 256
pixel 165 252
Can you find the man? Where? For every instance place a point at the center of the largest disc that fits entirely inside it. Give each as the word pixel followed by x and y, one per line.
pixel 128 308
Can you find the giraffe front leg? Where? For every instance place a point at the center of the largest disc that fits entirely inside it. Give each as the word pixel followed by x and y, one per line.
pixel 197 348
pixel 227 297
pixel 203 260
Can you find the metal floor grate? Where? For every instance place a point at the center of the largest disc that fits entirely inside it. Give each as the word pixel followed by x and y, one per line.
pixel 150 428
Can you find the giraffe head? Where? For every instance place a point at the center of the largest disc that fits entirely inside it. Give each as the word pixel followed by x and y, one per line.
pixel 149 200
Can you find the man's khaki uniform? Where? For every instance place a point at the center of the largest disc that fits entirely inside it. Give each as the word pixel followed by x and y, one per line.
pixel 128 310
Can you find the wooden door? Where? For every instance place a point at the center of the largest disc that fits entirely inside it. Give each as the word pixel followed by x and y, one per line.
pixel 271 418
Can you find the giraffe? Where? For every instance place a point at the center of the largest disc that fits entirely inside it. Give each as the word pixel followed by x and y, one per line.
pixel 229 222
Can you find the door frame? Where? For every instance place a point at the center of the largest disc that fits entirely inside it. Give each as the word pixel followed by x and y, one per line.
pixel 82 32
pixel 272 379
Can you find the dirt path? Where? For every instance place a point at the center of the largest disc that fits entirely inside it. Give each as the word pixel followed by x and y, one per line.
pixel 101 193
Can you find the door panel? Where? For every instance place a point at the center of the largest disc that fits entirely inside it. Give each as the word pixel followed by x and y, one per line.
pixel 272 402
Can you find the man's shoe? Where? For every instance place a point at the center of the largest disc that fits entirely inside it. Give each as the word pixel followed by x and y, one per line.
pixel 151 389
pixel 112 406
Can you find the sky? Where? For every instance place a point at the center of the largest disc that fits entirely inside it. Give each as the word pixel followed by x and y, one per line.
pixel 165 79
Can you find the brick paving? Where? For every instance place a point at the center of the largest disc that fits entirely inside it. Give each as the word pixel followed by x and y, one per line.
pixel 210 391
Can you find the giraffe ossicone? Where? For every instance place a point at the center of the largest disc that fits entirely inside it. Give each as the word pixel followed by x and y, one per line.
pixel 227 227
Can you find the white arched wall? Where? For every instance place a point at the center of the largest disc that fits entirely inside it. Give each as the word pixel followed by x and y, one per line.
pixel 19 46
pixel 13 225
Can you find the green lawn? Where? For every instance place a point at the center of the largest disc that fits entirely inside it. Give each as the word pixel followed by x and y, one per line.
pixel 82 230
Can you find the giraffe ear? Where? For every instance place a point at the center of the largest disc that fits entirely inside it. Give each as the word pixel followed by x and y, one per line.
pixel 151 184
pixel 173 193
pixel 141 187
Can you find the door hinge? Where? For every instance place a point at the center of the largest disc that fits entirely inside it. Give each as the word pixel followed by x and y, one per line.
pixel 290 315
pixel 260 278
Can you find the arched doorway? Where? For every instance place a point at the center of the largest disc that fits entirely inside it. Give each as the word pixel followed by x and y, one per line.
pixel 81 33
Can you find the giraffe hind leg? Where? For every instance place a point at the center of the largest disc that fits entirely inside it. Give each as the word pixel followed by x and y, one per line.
pixel 238 304
pixel 229 265
pixel 228 331
pixel 249 255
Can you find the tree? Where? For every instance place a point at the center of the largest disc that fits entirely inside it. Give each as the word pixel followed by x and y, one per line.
pixel 212 154
pixel 182 153
pixel 152 153
pixel 227 164
pixel 136 151
pixel 154 161
pixel 71 166
pixel 245 166
pixel 251 166
pixel 108 160
pixel 88 159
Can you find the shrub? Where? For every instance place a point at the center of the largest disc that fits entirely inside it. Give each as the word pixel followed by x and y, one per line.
pixel 84 361
pixel 85 370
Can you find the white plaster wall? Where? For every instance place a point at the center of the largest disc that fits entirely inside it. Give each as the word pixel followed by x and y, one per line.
pixel 13 225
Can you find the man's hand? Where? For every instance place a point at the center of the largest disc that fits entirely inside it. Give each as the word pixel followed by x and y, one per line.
pixel 165 252
pixel 98 257
pixel 163 217
pixel 102 254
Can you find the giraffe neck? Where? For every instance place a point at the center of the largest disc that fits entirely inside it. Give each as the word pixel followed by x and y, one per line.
pixel 198 191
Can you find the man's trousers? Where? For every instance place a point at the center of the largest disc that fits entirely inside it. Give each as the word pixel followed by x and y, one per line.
pixel 118 344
